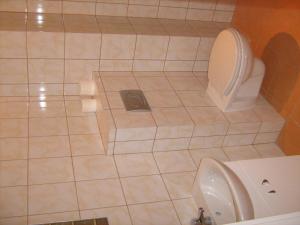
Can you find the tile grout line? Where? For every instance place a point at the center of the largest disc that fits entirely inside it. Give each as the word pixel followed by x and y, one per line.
pixel 71 156
pixel 28 124
pixel 166 188
pixel 122 188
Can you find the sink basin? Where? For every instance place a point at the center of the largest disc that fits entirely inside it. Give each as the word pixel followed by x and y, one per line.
pixel 219 191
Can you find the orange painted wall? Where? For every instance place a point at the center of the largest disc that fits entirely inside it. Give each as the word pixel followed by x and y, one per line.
pixel 273 29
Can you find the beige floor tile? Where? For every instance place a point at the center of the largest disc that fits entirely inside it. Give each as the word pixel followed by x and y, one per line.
pixel 185 83
pixel 115 215
pixel 162 99
pixel 50 170
pixel 268 150
pixel 179 185
pixel 216 153
pixel 47 109
pixel 160 213
pixel 73 108
pixel 47 126
pixel 144 189
pixel 195 98
pixel 241 152
pixel 13 128
pixel 13 173
pixel 172 123
pixel 209 121
pixel 132 126
pixel 52 198
pixel 13 148
pixel 99 193
pixel 154 83
pixel 13 110
pixel 54 146
pixel 22 220
pixel 136 164
pixel 13 201
pixel 54 217
pixel 174 161
pixel 86 144
pixel 94 167
pixel 119 83
pixel 186 210
pixel 83 125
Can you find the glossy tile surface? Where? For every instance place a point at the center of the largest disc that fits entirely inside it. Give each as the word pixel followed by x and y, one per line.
pixel 61 170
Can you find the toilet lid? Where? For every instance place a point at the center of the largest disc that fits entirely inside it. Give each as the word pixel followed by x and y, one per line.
pixel 226 61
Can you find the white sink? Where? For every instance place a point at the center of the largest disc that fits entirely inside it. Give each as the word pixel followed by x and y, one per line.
pixel 219 191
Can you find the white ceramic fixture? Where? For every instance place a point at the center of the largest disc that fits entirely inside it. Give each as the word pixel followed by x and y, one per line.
pixel 220 192
pixel 235 76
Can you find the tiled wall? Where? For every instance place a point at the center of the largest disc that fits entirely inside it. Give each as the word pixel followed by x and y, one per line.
pixel 51 55
pixel 206 10
pixel 273 30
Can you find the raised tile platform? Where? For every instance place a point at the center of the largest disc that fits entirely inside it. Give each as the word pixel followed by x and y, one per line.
pixel 182 116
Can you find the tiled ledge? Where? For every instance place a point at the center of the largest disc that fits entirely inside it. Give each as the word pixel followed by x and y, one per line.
pixel 107 24
pixel 182 115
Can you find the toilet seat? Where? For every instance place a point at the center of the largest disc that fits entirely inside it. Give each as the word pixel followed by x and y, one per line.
pixel 231 47
pixel 234 75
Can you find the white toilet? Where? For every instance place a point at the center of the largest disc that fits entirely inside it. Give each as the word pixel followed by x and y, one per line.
pixel 234 75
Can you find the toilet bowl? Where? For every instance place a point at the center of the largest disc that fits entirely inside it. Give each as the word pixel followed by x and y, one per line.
pixel 234 75
pixel 220 192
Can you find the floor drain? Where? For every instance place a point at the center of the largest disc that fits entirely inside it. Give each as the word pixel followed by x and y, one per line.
pixel 134 100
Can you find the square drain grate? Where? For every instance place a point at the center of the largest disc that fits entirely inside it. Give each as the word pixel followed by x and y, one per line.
pixel 134 100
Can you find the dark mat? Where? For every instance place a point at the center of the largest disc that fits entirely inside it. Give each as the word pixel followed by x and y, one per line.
pixel 99 221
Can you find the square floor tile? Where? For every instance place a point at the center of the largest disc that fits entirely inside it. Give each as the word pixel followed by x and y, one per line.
pixel 13 201
pixel 13 110
pixel 47 109
pixel 174 161
pixel 185 83
pixel 115 215
pixel 136 164
pixel 144 189
pixel 13 128
pixel 186 210
pixel 241 152
pixel 216 153
pixel 119 83
pixel 160 213
pixel 268 150
pixel 162 99
pixel 74 108
pixel 54 146
pixel 13 148
pixel 154 83
pixel 179 185
pixel 83 125
pixel 94 167
pixel 100 193
pixel 88 144
pixel 52 198
pixel 195 98
pixel 48 126
pixel 22 220
pixel 13 173
pixel 50 170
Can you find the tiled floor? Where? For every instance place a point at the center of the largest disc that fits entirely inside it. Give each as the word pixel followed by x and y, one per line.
pixel 53 168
